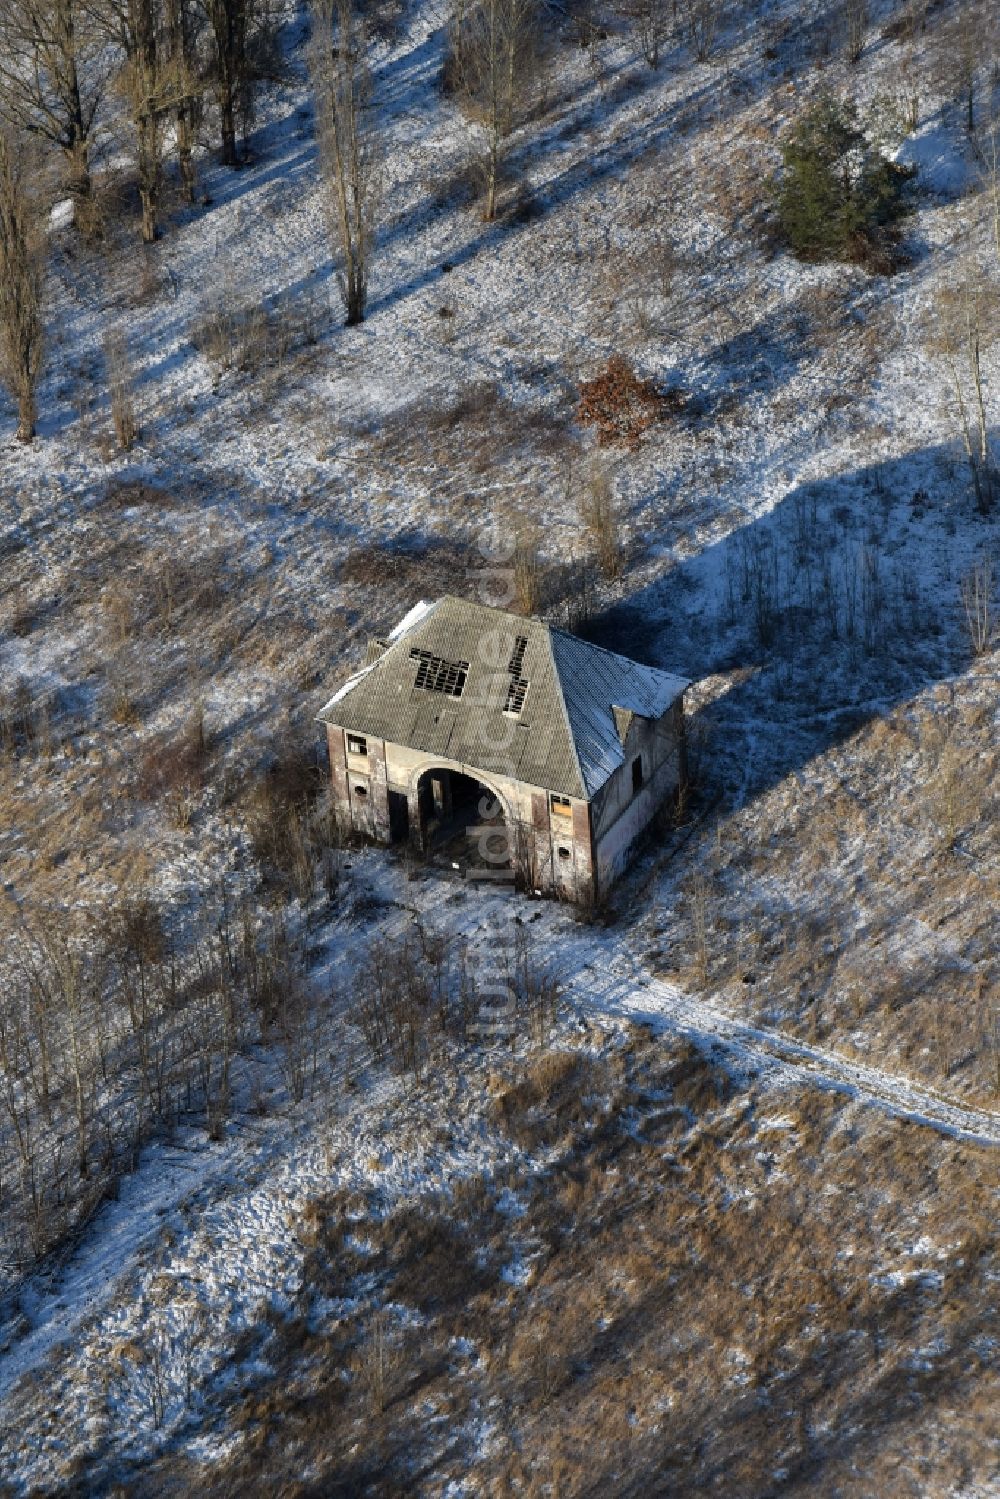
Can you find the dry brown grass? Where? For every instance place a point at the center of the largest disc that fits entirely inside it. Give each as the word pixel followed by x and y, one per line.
pixel 693 1315
pixel 863 918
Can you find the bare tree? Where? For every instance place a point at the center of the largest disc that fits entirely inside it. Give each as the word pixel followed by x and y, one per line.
pixel 60 988
pixel 966 319
pixel 977 590
pixel 232 24
pixel 602 522
pixel 855 28
pixel 494 52
pixel 653 19
pixel 701 20
pixel 181 21
pixel 54 70
pixel 22 275
pixel 120 388
pixel 146 83
pixel 348 147
pixel 990 151
pixel 965 47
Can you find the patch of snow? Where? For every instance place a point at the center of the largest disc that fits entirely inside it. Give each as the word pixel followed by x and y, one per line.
pixel 940 154
pixel 411 618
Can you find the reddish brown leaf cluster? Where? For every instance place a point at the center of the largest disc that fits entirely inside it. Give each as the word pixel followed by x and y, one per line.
pixel 619 404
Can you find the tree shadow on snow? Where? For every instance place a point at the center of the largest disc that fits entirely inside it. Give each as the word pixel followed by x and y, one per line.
pixel 830 610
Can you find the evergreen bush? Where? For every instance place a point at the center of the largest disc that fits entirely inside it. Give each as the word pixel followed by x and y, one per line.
pixel 838 197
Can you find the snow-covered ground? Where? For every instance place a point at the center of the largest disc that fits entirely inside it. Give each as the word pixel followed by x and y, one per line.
pixel 796 537
pixel 207 1238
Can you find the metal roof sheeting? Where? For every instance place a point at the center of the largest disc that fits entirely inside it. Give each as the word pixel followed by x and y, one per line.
pixel 565 737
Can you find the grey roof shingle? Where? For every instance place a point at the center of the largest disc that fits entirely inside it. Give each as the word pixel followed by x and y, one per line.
pixel 565 737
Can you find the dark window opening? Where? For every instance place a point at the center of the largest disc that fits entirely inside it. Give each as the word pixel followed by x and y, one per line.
pixel 636 774
pixel 517 656
pixel 435 674
pixel 360 791
pixel 516 694
pixel 517 689
pixel 561 806
pixel 356 745
pixel 564 853
pixel 399 816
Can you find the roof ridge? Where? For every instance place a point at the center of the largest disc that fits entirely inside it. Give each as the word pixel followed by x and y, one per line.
pixel 561 695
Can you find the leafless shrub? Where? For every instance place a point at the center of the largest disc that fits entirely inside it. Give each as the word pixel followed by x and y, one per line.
pixel 965 320
pixel 295 1017
pixel 977 589
pixel 375 1362
pixel 701 19
pixel 24 720
pixel 950 793
pixel 408 1002
pixel 528 573
pixel 172 766
pixel 653 22
pixel 121 389
pixel 394 1008
pixel 252 333
pixel 283 833
pixel 124 710
pixel 600 518
pixel 534 984
pixel 142 1366
pixel 700 906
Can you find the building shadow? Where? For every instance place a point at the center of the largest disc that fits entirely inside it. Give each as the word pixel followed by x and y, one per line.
pixel 833 608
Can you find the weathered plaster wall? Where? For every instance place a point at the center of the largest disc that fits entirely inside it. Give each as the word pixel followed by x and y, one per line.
pixel 553 852
pixel 620 815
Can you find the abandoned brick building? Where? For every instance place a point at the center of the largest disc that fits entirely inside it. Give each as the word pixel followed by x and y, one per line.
pixel 518 746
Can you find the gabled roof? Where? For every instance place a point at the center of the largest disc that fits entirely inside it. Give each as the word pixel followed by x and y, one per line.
pixel 502 694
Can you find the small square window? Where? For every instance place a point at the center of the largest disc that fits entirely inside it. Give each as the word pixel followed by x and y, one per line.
pixel 356 745
pixel 361 791
pixel 561 806
pixel 564 853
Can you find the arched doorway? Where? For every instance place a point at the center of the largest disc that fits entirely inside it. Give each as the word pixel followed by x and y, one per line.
pixel 462 819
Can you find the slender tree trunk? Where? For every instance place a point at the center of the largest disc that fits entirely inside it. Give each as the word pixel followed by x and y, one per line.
pixel 347 154
pixel 27 413
pixel 149 178
pixel 229 27
pixel 76 139
pixel 181 46
pixel 185 152
pixel 80 185
pixel 23 215
pixel 227 115
pixel 492 173
pixel 145 84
